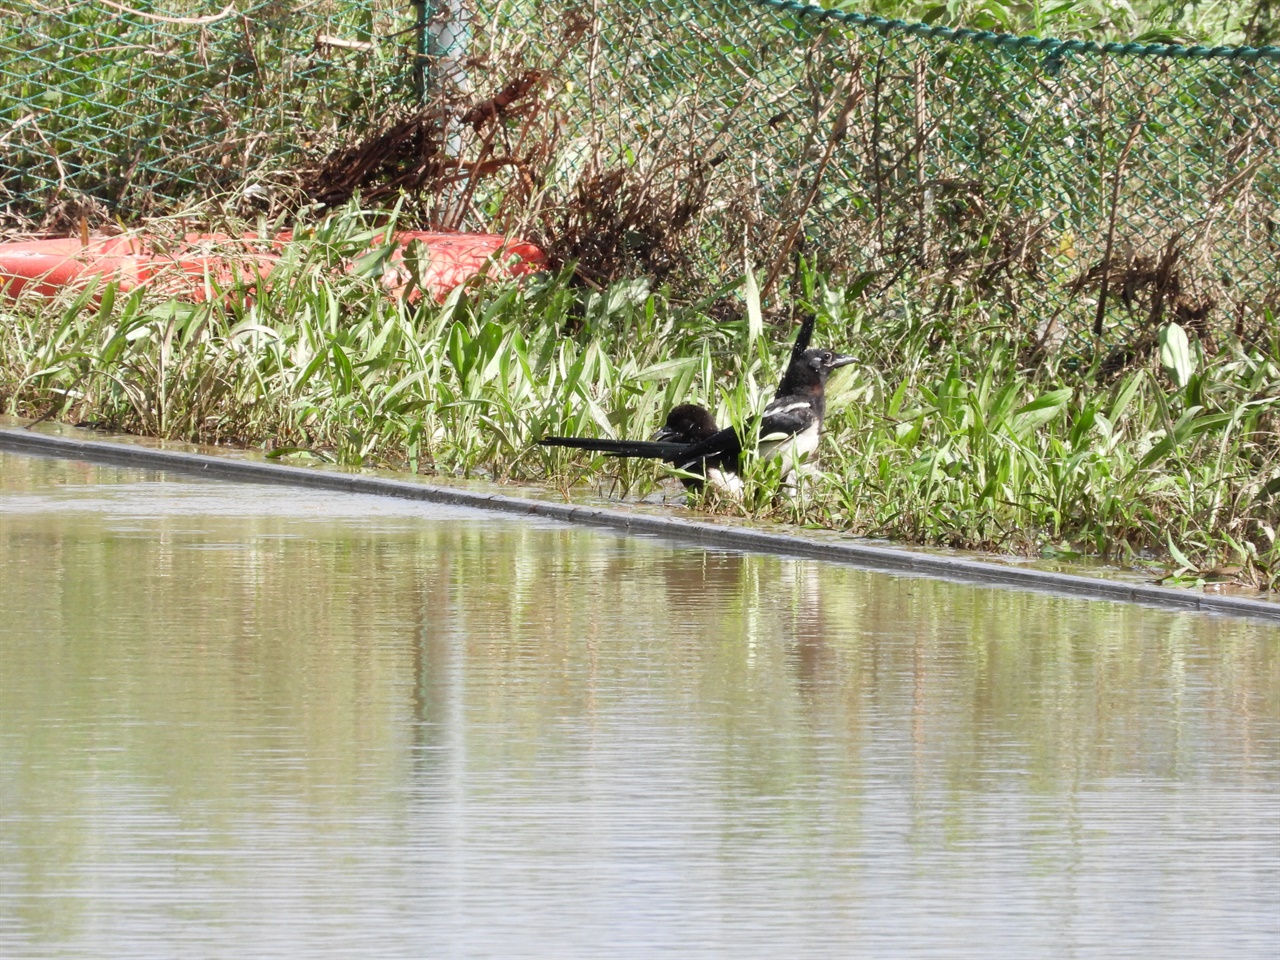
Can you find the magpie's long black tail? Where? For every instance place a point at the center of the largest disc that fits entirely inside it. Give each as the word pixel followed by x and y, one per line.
pixel 659 449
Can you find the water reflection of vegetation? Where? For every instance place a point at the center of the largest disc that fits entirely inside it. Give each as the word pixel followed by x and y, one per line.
pixel 290 667
pixel 321 624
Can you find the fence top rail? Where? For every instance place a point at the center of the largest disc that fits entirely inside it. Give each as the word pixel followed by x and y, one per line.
pixel 1011 41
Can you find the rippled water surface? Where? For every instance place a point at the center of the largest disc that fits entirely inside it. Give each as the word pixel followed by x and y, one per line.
pixel 247 721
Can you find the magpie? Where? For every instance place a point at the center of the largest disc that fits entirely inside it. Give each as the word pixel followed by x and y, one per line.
pixel 792 420
pixel 788 428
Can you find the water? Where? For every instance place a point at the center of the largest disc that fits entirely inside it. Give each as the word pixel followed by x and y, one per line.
pixel 245 721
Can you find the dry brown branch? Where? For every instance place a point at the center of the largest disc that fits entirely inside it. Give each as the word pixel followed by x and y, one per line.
pixel 499 106
pixel 839 128
pixel 1117 176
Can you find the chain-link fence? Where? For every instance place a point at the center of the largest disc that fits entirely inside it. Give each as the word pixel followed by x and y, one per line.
pixel 1061 187
pixel 134 110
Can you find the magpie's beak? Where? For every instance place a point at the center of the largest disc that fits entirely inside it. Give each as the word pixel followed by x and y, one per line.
pixel 842 360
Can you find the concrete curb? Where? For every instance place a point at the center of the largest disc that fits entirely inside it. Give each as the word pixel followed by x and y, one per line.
pixel 674 528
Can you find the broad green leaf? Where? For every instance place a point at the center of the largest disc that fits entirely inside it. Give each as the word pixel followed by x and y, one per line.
pixel 1039 411
pixel 1124 396
pixel 755 316
pixel 1159 451
pixel 895 402
pixel 108 301
pixel 1175 354
pixel 405 383
pixel 1178 556
pixel 665 369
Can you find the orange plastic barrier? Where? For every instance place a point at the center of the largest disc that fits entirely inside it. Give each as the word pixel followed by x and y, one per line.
pixel 48 266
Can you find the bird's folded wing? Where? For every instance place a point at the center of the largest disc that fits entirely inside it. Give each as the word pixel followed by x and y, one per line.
pixel 787 418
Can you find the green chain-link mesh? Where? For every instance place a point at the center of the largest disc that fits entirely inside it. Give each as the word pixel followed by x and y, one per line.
pixel 1029 178
pixel 139 106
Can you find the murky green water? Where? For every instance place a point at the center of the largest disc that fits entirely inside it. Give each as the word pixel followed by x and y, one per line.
pixel 241 721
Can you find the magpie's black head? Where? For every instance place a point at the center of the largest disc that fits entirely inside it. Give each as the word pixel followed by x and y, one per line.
pixel 822 362
pixel 810 370
pixel 687 423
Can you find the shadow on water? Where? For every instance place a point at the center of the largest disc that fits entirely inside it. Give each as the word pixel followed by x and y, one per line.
pixel 241 720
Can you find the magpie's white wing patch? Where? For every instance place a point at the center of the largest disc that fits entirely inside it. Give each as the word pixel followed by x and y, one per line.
pixel 787 416
pixel 794 447
pixel 786 405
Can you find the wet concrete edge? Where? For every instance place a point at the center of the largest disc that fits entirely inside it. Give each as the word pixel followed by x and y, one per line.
pixel 674 528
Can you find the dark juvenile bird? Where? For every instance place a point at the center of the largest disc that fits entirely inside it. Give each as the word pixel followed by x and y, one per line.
pixel 788 428
pixel 688 423
pixel 692 424
pixel 686 426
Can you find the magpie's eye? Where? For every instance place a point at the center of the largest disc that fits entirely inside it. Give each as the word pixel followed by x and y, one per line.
pixel 826 358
